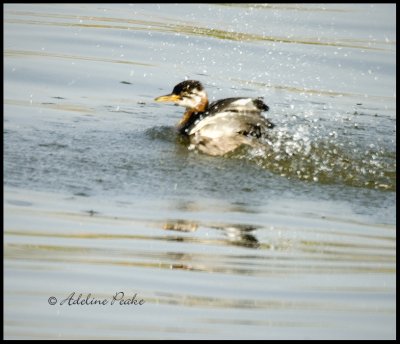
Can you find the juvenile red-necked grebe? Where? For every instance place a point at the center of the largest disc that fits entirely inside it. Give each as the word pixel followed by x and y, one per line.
pixel 223 125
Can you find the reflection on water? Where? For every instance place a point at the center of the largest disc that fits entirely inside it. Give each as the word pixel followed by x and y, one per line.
pixel 181 226
pixel 236 234
pixel 294 240
pixel 240 235
pixel 278 269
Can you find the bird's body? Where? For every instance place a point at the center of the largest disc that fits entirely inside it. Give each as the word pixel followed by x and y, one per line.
pixel 223 125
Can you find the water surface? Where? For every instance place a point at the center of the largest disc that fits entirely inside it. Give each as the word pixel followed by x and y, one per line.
pixel 294 240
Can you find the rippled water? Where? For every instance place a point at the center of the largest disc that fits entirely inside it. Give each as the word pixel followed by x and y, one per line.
pixel 294 239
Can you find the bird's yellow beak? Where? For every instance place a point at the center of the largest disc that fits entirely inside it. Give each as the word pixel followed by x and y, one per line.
pixel 168 98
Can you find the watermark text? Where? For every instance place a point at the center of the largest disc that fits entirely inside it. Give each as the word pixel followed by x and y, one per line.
pixel 119 298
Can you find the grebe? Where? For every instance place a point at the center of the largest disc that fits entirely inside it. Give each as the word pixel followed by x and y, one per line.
pixel 222 126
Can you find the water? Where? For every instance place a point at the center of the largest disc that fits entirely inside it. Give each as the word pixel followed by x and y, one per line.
pixel 292 240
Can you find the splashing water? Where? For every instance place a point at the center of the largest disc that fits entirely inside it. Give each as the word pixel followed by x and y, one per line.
pixel 325 159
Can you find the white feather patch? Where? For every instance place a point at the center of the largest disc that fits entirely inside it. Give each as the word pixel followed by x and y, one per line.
pixel 242 102
pixel 221 124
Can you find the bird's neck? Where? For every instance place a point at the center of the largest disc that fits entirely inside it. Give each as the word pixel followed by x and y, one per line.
pixel 191 115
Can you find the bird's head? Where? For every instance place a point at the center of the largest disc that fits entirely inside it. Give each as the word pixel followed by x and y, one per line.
pixel 189 94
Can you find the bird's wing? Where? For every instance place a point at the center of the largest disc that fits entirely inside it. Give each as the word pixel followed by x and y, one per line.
pixel 228 123
pixel 232 116
pixel 237 105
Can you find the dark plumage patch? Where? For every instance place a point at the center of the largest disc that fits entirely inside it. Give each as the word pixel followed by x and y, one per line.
pixel 256 130
pixel 223 104
pixel 270 125
pixel 187 86
pixel 260 104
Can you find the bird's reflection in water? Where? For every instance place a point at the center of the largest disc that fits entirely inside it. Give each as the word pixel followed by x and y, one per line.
pixel 236 234
pixel 240 235
pixel 181 226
